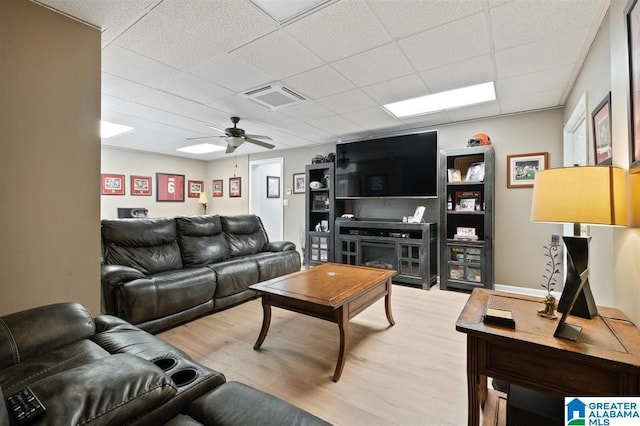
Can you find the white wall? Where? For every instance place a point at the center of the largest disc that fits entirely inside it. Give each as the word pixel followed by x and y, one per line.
pixel 49 159
pixel 128 163
pixel 268 209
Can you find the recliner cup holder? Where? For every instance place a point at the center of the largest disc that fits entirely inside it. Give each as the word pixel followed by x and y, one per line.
pixel 184 377
pixel 166 363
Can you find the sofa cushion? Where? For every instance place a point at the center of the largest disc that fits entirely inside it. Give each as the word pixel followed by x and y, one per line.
pixel 24 334
pixel 272 265
pixel 165 293
pixel 201 240
pixel 234 276
pixel 245 234
pixel 148 245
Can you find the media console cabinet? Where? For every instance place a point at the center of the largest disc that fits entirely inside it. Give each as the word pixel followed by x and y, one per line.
pixel 409 248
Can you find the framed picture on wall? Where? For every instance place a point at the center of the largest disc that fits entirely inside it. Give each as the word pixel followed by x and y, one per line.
pixel 273 187
pixel 195 187
pixel 235 187
pixel 140 185
pixel 169 187
pixel 217 186
pixel 112 184
pixel 299 183
pixel 522 168
pixel 632 15
pixel 602 131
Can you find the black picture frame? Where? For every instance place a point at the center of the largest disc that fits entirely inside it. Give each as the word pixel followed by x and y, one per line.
pixel 273 187
pixel 170 187
pixel 601 121
pixel 632 20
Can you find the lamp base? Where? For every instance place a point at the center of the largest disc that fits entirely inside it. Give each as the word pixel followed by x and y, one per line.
pixel 577 263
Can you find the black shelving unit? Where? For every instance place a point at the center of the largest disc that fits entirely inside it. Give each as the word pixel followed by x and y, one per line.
pixel 321 208
pixel 467 218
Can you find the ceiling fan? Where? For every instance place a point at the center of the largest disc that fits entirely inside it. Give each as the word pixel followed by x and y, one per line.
pixel 236 136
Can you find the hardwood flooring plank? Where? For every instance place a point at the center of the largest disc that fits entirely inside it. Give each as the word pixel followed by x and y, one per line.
pixel 413 373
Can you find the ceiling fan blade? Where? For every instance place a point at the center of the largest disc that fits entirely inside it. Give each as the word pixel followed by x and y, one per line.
pixel 259 137
pixel 257 142
pixel 230 149
pixel 215 128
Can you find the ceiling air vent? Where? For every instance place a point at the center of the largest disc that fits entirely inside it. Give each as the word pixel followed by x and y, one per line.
pixel 274 96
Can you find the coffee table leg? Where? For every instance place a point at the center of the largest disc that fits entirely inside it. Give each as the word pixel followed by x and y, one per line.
pixel 266 320
pixel 387 304
pixel 343 324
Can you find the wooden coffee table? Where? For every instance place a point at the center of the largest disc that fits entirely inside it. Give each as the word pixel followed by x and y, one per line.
pixel 332 292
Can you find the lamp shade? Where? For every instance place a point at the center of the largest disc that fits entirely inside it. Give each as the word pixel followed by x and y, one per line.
pixel 203 198
pixel 593 195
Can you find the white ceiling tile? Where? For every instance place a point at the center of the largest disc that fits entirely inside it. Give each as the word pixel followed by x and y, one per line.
pixel 223 24
pixel 531 102
pixel 310 133
pixel 111 102
pixel 375 119
pixel 426 120
pixel 486 109
pixel 340 30
pixel 540 81
pixel 134 67
pixel 376 65
pixel 351 100
pixel 455 75
pixel 449 43
pixel 396 90
pixel 338 125
pixel 307 111
pixel 539 55
pixel 144 112
pixel 405 17
pixel 120 87
pixel 159 40
pixel 522 22
pixel 167 102
pixel 278 55
pixel 317 83
pixel 193 87
pixel 227 71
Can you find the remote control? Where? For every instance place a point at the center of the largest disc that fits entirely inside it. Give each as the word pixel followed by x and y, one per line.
pixel 25 406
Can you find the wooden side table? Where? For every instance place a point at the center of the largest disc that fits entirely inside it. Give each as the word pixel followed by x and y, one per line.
pixel 605 360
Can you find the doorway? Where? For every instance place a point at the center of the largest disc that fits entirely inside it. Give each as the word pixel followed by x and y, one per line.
pixel 265 195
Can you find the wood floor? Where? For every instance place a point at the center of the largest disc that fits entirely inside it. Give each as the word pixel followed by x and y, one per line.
pixel 413 373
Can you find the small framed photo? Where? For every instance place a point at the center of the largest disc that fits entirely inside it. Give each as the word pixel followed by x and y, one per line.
pixel 602 131
pixel 273 187
pixel 169 187
pixel 454 175
pixel 299 183
pixel 417 215
pixel 112 184
pixel 475 173
pixel 217 186
pixel 522 168
pixel 467 201
pixel 140 185
pixel 466 205
pixel 195 187
pixel 235 187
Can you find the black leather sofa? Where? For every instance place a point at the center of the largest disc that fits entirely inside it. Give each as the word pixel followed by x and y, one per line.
pixel 157 273
pixel 105 371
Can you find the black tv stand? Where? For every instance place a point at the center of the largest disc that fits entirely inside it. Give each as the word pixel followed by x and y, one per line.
pixel 408 248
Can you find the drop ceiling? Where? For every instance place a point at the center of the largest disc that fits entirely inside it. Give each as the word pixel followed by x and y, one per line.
pixel 170 68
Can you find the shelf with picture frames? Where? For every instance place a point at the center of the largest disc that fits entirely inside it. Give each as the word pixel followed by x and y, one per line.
pixel 466 187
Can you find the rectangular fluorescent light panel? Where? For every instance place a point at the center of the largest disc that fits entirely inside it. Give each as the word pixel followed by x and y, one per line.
pixel 109 130
pixel 450 99
pixel 203 148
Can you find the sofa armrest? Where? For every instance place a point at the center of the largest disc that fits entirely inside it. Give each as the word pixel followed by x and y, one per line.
pixel 36 330
pixel 107 322
pixel 111 275
pixel 113 390
pixel 279 246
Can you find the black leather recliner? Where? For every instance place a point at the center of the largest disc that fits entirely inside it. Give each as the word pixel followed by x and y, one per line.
pixel 106 371
pixel 157 273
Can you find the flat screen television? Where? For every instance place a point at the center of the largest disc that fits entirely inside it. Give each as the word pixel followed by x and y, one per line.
pixel 400 166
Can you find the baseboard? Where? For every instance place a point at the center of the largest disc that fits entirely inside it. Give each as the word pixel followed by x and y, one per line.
pixel 525 291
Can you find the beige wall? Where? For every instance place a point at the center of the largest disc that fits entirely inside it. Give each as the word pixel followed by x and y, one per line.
pixel 49 116
pixel 128 163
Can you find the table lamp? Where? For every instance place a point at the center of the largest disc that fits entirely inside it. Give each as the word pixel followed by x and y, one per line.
pixel 203 200
pixel 594 195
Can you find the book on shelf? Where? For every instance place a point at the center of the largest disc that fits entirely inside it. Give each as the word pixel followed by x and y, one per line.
pixel 465 237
